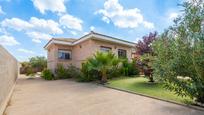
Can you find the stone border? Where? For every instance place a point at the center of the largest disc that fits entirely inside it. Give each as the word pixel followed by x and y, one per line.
pixel 128 91
pixel 5 103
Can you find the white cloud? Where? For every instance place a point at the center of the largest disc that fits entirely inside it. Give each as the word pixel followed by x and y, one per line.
pixel 106 19
pixel 73 33
pixel 35 28
pixel 170 16
pixel 148 25
pixel 85 33
pixel 71 22
pixel 137 39
pixel 1 11
pixel 25 51
pixel 36 40
pixel 42 25
pixel 123 18
pixel 47 26
pixel 50 5
pixel 3 31
pixel 8 40
pixel 37 36
pixel 173 15
pixel 16 23
pixel 92 28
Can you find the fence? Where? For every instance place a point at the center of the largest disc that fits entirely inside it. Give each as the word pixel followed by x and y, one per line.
pixel 8 76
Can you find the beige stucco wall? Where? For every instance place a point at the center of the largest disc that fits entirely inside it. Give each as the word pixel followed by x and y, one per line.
pixel 52 56
pixel 81 52
pixel 87 49
pixel 8 75
pixel 114 47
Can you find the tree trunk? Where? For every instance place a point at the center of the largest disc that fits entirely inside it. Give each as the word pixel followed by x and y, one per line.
pixel 148 73
pixel 151 78
pixel 104 77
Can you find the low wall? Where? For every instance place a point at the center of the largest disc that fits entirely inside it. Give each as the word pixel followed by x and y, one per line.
pixel 8 76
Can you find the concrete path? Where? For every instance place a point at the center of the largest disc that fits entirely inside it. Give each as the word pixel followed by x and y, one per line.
pixel 66 97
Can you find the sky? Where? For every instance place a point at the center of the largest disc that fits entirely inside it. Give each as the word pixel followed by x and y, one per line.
pixel 27 25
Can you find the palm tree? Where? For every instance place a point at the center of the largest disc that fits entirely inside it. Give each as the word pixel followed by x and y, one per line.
pixel 102 62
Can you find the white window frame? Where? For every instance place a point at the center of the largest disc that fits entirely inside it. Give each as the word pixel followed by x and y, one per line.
pixel 122 56
pixel 64 52
pixel 105 49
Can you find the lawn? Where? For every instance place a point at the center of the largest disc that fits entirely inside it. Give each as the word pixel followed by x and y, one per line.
pixel 141 85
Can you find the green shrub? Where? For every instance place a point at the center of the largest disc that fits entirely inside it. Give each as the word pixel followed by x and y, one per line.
pixel 87 73
pixel 29 71
pixel 114 72
pixel 61 72
pixel 38 63
pixel 47 74
pixel 34 65
pixel 124 68
pixel 99 66
pixel 73 71
pixel 129 68
pixel 83 78
pixel 133 69
pixel 179 53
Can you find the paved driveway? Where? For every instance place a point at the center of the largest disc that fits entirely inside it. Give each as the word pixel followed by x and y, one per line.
pixel 66 97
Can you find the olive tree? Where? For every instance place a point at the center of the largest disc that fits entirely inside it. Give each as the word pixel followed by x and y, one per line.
pixel 179 60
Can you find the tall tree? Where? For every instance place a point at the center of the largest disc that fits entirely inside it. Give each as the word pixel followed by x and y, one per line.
pixel 38 63
pixel 179 60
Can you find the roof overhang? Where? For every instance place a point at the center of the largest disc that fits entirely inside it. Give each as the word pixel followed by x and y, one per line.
pixel 113 40
pixel 54 41
pixel 91 35
pixel 101 37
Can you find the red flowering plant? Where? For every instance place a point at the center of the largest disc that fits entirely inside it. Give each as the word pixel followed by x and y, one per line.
pixel 144 49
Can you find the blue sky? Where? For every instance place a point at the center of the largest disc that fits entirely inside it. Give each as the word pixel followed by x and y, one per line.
pixel 27 25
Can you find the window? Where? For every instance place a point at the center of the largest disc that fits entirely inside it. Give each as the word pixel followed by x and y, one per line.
pixel 105 49
pixel 64 54
pixel 122 53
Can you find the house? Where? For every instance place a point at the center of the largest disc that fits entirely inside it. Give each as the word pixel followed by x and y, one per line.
pixel 68 51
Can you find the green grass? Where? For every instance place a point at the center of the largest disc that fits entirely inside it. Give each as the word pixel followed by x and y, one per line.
pixel 141 85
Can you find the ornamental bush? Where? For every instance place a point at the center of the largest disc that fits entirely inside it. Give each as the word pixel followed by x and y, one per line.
pixel 70 71
pixel 179 53
pixel 73 72
pixel 61 72
pixel 47 75
pixel 129 68
pixel 99 66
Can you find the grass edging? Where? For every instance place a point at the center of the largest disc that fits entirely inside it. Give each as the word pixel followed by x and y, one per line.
pixel 174 102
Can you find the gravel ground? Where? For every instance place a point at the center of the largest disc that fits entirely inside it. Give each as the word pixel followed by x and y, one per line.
pixel 66 97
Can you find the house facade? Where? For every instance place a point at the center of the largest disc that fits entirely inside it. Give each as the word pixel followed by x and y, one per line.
pixel 68 51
